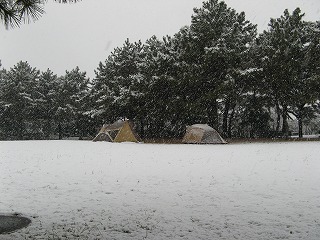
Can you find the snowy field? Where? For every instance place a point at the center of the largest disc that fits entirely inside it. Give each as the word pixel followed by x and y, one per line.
pixel 86 190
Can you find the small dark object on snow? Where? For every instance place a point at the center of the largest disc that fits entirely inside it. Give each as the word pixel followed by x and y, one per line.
pixel 12 223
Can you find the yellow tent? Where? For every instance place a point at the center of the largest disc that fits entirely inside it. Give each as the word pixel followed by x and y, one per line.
pixel 120 131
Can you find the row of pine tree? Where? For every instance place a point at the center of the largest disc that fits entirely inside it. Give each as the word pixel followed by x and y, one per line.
pixel 218 71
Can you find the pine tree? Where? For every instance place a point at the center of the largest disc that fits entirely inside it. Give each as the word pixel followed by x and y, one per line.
pixel 220 39
pixel 47 99
pixel 116 85
pixel 287 62
pixel 18 102
pixel 160 113
pixel 72 91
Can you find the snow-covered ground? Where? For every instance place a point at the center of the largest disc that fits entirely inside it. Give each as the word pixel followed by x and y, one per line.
pixel 86 190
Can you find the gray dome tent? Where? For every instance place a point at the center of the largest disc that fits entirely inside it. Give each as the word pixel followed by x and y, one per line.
pixel 202 133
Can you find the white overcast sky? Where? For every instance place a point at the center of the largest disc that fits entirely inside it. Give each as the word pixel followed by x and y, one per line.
pixel 84 34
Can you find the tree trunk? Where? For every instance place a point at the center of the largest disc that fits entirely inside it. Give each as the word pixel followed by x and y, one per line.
pixel 212 112
pixel 48 128
pixel 285 126
pixel 60 130
pixel 300 127
pixel 300 118
pixel 278 117
pixel 225 117
pixel 231 121
pixel 142 128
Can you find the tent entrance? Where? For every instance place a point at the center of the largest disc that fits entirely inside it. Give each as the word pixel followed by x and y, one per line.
pixel 113 134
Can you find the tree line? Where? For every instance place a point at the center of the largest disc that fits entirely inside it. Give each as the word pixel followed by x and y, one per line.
pixel 218 71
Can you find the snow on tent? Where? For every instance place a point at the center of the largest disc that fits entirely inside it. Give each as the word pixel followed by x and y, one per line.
pixel 202 133
pixel 120 131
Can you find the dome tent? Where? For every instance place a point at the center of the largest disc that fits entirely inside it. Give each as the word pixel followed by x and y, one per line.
pixel 202 133
pixel 119 131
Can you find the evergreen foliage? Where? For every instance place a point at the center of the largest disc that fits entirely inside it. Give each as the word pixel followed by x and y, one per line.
pixel 215 71
pixel 288 58
pixel 36 105
pixel 14 12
